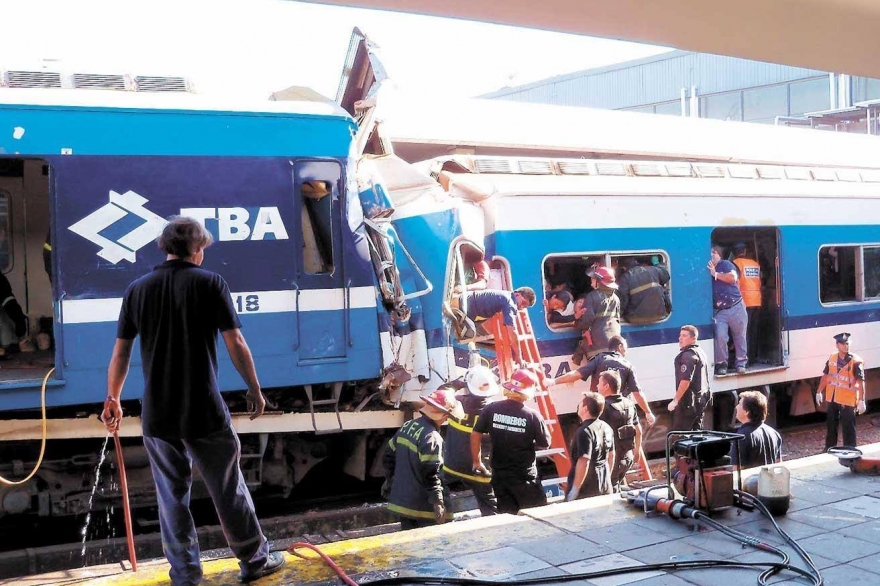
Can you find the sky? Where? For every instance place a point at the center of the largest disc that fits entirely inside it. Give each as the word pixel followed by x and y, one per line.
pixel 250 48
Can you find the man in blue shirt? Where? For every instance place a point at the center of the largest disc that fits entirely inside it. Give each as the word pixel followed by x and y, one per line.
pixel 731 317
pixel 482 305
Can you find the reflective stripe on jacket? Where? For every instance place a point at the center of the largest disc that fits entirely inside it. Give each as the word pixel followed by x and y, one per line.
pixel 749 281
pixel 412 461
pixel 641 294
pixel 841 383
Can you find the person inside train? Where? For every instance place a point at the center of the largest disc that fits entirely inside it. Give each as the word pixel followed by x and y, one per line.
pixel 731 319
pixel 762 444
pixel 476 274
pixel 560 309
pixel 642 292
pixel 750 286
pixel 13 322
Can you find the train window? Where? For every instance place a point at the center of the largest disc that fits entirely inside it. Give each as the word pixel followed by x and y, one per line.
pixel 317 227
pixel 5 232
pixel 644 293
pixel 849 273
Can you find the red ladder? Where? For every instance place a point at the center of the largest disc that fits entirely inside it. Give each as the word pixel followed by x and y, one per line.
pixel 528 351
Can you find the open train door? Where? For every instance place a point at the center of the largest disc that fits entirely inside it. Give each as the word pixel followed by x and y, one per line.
pixel 756 251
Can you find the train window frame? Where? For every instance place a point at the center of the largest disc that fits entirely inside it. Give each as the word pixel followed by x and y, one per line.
pixel 311 221
pixel 10 254
pixel 608 258
pixel 858 270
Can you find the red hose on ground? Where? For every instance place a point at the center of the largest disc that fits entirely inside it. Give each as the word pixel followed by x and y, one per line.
pixel 123 483
pixel 339 571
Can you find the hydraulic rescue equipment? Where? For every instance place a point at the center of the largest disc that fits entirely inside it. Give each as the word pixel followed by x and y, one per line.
pixel 853 459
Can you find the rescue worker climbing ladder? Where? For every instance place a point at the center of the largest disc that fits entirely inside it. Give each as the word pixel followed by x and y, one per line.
pixel 528 350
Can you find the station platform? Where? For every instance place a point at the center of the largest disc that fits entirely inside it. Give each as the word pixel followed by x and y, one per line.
pixel 834 515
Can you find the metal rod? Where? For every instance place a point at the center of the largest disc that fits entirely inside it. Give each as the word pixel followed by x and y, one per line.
pixel 129 536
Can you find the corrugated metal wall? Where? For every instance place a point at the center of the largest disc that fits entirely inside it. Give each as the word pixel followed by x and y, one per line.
pixel 653 80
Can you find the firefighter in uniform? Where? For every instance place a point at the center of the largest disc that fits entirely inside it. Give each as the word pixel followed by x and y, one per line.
pixel 692 383
pixel 412 461
pixel 601 316
pixel 621 416
pixel 843 387
pixel 642 292
pixel 750 286
pixel 457 466
pixel 516 432
pixel 592 450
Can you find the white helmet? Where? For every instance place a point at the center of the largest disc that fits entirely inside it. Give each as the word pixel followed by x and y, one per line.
pixel 481 382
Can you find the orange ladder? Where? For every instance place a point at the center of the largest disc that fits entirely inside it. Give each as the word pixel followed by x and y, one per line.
pixel 528 351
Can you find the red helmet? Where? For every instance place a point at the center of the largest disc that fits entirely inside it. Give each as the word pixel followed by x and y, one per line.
pixel 442 400
pixel 604 275
pixel 522 381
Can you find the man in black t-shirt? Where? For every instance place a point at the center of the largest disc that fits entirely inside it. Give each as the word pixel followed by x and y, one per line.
pixel 592 450
pixel 177 310
pixel 516 432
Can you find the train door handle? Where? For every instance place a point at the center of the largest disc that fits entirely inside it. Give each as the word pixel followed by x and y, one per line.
pixel 296 316
pixel 348 313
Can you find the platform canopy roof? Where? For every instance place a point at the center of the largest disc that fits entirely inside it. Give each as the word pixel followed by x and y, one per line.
pixel 829 35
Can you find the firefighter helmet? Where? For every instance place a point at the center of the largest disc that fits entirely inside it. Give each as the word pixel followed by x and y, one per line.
pixel 523 382
pixel 481 382
pixel 441 401
pixel 604 275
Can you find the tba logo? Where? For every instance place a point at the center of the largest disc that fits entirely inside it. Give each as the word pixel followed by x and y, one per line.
pixel 126 246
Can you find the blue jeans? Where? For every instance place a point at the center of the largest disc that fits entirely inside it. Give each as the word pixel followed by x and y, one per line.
pixel 735 320
pixel 216 457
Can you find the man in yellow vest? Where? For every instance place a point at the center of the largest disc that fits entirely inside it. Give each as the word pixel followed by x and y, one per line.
pixel 843 386
pixel 750 286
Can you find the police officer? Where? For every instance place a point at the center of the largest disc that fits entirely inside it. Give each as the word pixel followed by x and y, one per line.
pixel 620 415
pixel 692 387
pixel 412 461
pixel 844 379
pixel 641 290
pixel 750 286
pixel 592 449
pixel 516 432
pixel 457 467
pixel 600 319
pixel 612 359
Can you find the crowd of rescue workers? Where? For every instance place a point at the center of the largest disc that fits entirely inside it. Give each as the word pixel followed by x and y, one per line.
pixel 491 447
pixel 178 309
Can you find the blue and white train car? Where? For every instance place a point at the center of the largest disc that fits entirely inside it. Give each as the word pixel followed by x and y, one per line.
pixel 814 231
pixel 87 180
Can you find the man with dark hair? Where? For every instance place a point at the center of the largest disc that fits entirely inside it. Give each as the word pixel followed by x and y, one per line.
pixel 481 305
pixel 762 444
pixel 560 309
pixel 642 292
pixel 177 310
pixel 843 385
pixel 516 432
pixel 692 383
pixel 613 359
pixel 620 415
pixel 731 319
pixel 592 451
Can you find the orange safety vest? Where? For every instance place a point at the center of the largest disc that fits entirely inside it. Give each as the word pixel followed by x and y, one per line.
pixel 841 383
pixel 749 281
